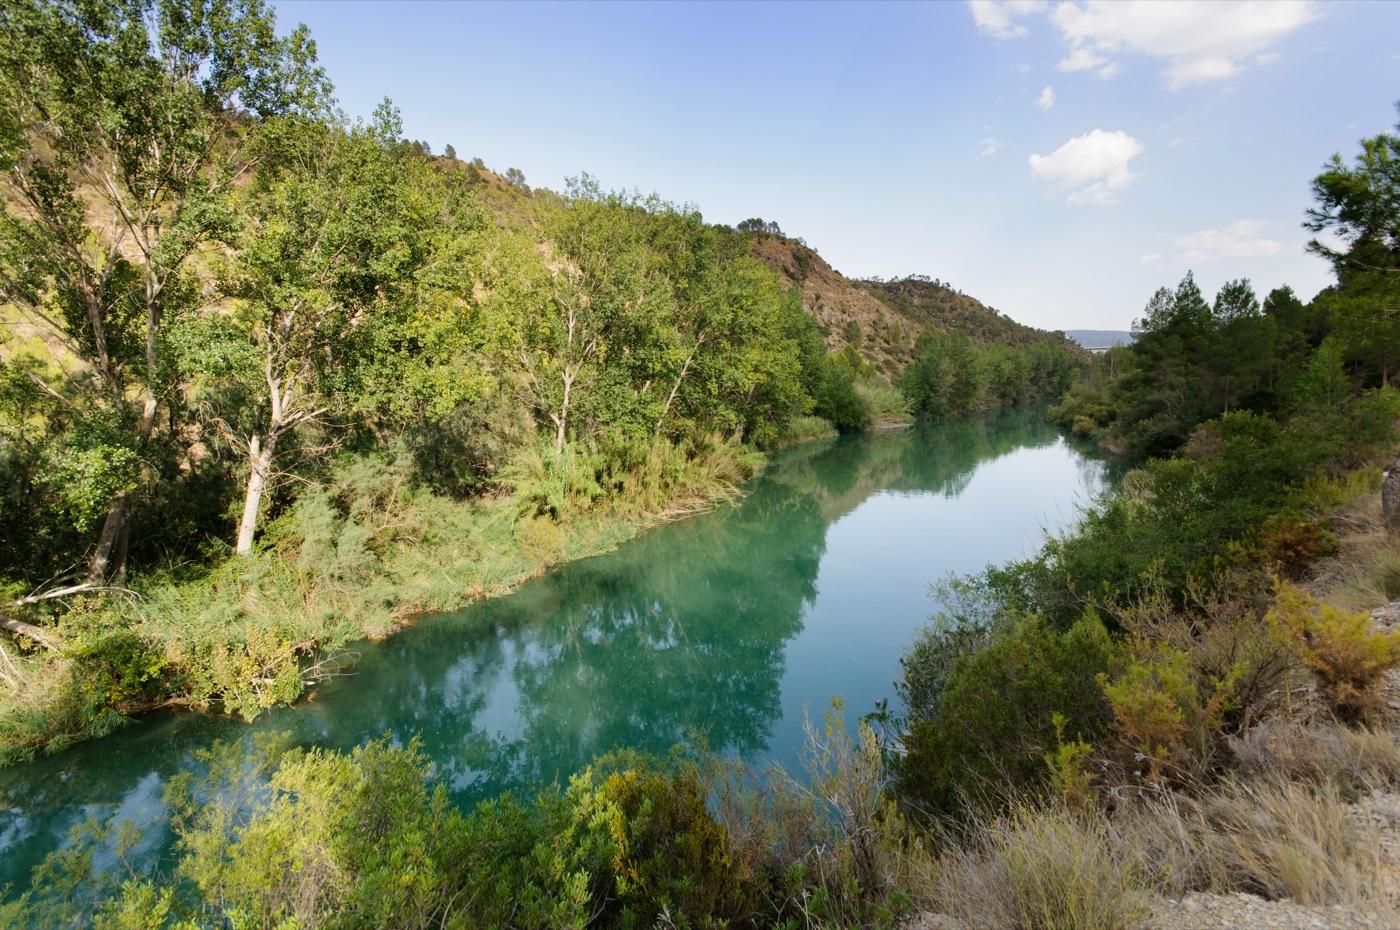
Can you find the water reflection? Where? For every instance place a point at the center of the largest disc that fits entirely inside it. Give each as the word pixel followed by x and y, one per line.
pixel 727 624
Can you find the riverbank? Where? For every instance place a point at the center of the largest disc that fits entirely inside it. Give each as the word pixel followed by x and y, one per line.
pixel 626 649
pixel 355 559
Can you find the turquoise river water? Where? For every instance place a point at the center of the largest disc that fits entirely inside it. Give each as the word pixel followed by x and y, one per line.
pixel 727 624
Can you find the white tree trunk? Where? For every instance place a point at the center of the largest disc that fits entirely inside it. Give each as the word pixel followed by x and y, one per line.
pixel 1390 497
pixel 259 469
pixel 675 388
pixel 561 421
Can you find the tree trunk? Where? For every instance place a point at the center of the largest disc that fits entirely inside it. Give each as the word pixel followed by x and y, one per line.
pixel 1390 497
pixel 670 398
pixel 561 421
pixel 109 558
pixel 27 630
pixel 259 469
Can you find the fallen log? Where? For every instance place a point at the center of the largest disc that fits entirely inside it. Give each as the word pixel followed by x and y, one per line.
pixel 28 630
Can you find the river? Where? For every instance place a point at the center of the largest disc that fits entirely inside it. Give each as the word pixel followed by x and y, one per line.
pixel 726 625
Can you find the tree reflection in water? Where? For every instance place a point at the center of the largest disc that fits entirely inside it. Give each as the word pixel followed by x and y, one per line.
pixel 686 630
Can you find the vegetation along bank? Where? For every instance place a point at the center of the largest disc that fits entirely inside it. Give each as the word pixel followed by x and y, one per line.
pixel 274 380
pixel 277 379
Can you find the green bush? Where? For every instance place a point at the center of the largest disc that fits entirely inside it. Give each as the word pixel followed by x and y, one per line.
pixel 118 668
pixel 807 429
pixel 994 720
pixel 1173 522
pixel 643 844
pixel 837 400
pixel 270 838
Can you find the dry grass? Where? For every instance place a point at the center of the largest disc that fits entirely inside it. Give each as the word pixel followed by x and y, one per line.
pixel 1365 572
pixel 1353 760
pixel 1040 869
pixel 1271 837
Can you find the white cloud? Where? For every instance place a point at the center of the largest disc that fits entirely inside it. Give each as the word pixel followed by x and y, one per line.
pixel 1081 59
pixel 1093 167
pixel 1152 258
pixel 1023 68
pixel 1240 239
pixel 990 146
pixel 1200 41
pixel 998 17
pixel 1047 98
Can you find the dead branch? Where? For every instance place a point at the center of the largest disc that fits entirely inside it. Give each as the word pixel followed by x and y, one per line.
pixel 29 631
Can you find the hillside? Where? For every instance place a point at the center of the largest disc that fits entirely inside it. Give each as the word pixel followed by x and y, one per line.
pixel 930 303
pixel 883 320
pixel 846 312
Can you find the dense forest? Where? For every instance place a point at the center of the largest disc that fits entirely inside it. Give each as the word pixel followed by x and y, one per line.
pixel 274 380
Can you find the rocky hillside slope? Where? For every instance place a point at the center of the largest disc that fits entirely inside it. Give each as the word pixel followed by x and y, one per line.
pixel 882 320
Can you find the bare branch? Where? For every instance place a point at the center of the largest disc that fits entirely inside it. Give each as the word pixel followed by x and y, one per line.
pixel 29 631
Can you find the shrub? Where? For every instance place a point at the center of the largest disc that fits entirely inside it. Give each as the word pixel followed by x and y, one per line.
pixel 1070 780
pixel 1346 654
pixel 934 655
pixel 829 849
pixel 994 719
pixel 319 838
pixel 118 668
pixel 849 777
pixel 808 428
pixel 644 844
pixel 1160 708
pixel 838 401
pixel 1222 635
pixel 884 401
pixel 1292 543
pixel 541 539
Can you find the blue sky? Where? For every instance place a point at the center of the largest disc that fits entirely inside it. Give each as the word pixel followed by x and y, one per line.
pixel 899 138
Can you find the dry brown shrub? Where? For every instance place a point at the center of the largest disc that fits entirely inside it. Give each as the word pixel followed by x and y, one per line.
pixel 1348 657
pixel 1222 633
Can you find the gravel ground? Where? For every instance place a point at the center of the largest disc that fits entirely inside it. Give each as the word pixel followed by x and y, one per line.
pixel 1248 912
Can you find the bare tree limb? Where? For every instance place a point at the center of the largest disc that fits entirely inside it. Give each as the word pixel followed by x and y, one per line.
pixel 28 630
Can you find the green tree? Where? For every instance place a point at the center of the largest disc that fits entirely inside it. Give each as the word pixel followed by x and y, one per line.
pixel 945 378
pixel 1359 204
pixel 600 299
pixel 119 135
pixel 330 235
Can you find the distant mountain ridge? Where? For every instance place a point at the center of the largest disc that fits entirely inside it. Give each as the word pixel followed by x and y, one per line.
pixel 1099 338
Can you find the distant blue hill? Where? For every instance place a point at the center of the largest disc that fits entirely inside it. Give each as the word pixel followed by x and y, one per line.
pixel 1099 338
